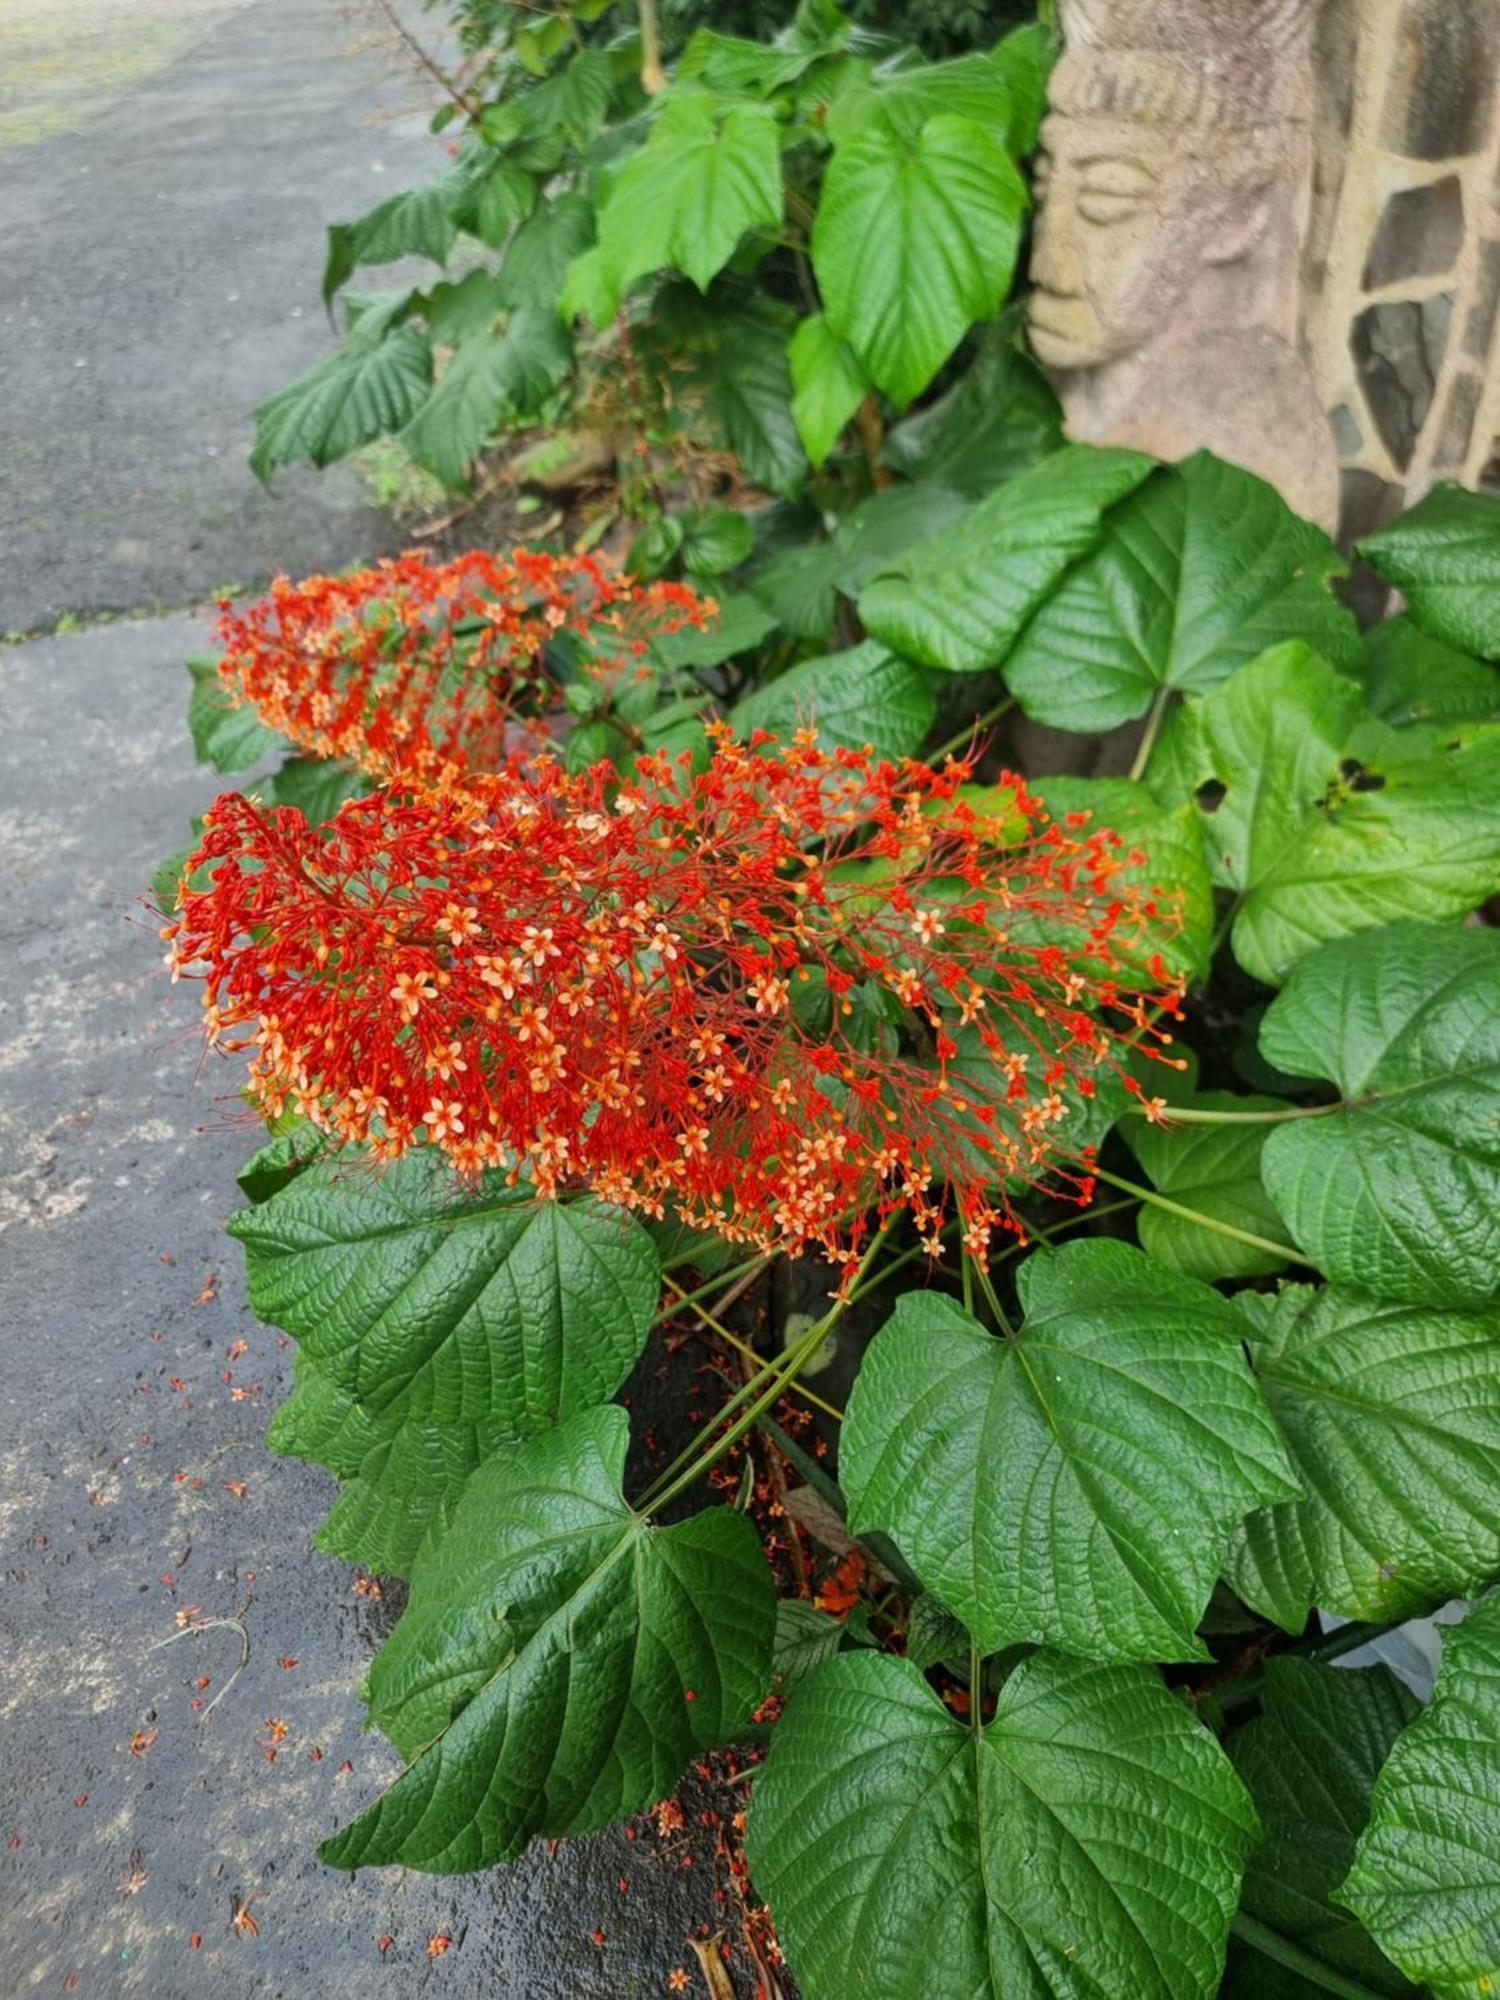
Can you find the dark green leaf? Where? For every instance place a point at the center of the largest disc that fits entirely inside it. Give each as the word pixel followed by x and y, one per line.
pixel 1310 1763
pixel 997 420
pixel 490 380
pixel 1087 1843
pixel 1426 1875
pixel 1398 1193
pixel 742 624
pixel 805 1638
pixel 317 786
pixel 716 539
pixel 1412 677
pixel 370 387
pixel 536 263
pixel 417 223
pixel 915 240
pixel 961 600
pixel 1201 569
pixel 1076 1486
pixel 934 1635
pixel 1444 554
pixel 280 1160
pixel 460 1304
pixel 1391 1416
pixel 865 696
pixel 560 1660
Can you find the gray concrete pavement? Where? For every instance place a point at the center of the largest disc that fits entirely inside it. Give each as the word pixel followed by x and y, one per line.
pixel 161 244
pixel 134 1395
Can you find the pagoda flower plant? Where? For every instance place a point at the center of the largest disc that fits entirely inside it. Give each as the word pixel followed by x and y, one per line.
pixel 1085 1191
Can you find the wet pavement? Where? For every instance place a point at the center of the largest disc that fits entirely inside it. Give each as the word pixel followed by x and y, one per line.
pixel 161 270
pixel 134 1825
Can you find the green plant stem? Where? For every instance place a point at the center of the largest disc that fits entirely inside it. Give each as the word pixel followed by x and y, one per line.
pixel 1271 1944
pixel 986 1285
pixel 1192 1116
pixel 1092 1214
pixel 976 1688
pixel 716 1284
pixel 971 729
pixel 1154 720
pixel 1283 1250
pixel 777 1377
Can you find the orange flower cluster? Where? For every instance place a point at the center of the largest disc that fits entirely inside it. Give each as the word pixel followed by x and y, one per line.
pixel 433 668
pixel 781 995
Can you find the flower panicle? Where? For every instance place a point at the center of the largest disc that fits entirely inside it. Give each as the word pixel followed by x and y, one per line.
pixel 780 995
pixel 430 669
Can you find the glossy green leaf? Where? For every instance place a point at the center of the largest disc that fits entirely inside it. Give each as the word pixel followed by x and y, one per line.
pixel 1214 1169
pixel 491 379
pixel 1077 1486
pixel 416 223
pixel 1412 677
pixel 865 696
pixel 960 600
pixel 899 100
pixel 1391 1416
pixel 805 1638
pixel 229 736
pixel 267 1171
pixel 1320 820
pixel 1444 554
pixel 1426 1874
pixel 316 786
pixel 828 386
pixel 1086 1843
pixel 1174 871
pixel 1398 1193
pixel 915 240
pixel 499 199
pixel 1310 1762
pixel 560 1660
pixel 703 178
pixel 1199 570
pixel 460 1304
pixel 375 383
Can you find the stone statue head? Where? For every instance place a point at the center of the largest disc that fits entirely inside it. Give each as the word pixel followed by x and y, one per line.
pixel 1172 162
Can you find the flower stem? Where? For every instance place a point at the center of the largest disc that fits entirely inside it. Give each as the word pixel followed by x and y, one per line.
pixel 1190 1115
pixel 1271 1944
pixel 1154 720
pixel 971 729
pixel 720 1282
pixel 1283 1250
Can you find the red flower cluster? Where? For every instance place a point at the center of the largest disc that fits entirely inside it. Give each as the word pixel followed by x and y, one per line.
pixel 780 995
pixel 420 667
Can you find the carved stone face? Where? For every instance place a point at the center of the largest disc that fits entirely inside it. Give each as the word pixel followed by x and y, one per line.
pixel 1131 215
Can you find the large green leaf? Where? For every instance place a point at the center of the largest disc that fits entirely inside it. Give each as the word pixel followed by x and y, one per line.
pixel 560 1659
pixel 1321 820
pixel 1215 1170
pixel 728 359
pixel 704 177
pixel 316 786
pixel 1445 556
pixel 1426 1875
pixel 1412 677
pixel 960 600
pixel 1076 1486
pixel 400 1478
pixel 828 386
pixel 863 696
pixel 420 222
pixel 1397 1193
pixel 1310 1762
pixel 538 256
pixel 491 379
pixel 997 421
pixel 374 384
pixel 1391 1416
pixel 1201 569
pixel 915 240
pixel 1085 1845
pixel 228 735
pixel 459 1304
pixel 1174 872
